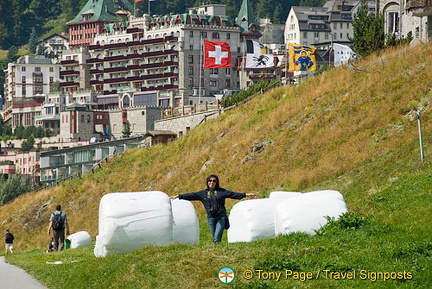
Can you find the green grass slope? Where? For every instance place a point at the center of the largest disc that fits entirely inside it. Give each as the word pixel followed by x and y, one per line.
pixel 351 130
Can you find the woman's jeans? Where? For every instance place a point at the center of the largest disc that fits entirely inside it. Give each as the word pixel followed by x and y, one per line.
pixel 217 226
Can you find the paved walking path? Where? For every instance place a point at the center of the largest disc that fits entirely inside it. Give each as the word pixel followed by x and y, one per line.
pixel 12 277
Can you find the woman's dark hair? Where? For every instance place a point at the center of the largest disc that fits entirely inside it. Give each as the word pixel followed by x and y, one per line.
pixel 217 181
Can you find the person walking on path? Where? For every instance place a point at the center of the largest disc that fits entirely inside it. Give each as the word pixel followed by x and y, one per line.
pixel 213 199
pixel 59 224
pixel 9 242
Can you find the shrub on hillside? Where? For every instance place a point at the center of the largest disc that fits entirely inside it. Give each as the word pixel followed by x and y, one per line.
pixel 347 221
pixel 13 187
pixel 238 97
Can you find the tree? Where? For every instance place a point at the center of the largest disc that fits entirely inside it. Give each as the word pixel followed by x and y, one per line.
pixel 312 3
pixel 13 187
pixel 19 132
pixel 368 31
pixel 12 54
pixel 126 130
pixel 55 86
pixel 28 144
pixel 32 40
pixel 265 9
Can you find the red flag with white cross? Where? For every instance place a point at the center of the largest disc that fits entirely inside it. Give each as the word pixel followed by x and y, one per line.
pixel 216 54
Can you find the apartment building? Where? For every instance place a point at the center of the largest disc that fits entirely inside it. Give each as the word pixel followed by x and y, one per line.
pixel 26 82
pixel 52 46
pixel 154 61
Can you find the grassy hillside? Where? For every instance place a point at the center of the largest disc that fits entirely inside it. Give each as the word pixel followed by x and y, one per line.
pixel 351 130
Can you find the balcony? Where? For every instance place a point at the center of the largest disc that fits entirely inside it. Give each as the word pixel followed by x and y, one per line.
pixel 95 60
pixel 69 83
pixel 68 62
pixel 159 86
pixel 262 76
pixel 68 72
pixel 47 117
pixel 419 8
pixel 116 69
pixel 96 81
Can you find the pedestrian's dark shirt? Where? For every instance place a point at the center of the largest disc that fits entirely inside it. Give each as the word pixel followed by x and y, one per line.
pixel 9 238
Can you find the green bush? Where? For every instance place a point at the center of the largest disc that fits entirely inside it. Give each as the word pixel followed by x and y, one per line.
pixel 244 94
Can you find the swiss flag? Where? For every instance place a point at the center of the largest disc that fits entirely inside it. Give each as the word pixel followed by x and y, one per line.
pixel 216 54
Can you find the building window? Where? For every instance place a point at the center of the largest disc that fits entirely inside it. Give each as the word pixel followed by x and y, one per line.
pixel 23 68
pixel 191 34
pixel 214 71
pixel 227 83
pixel 191 82
pixel 204 34
pixel 191 47
pixel 305 35
pixel 23 79
pixel 37 69
pixel 213 83
pixel 51 69
pixel 228 71
pixel 393 22
pixel 190 59
pixel 215 35
pixel 228 36
pixel 191 70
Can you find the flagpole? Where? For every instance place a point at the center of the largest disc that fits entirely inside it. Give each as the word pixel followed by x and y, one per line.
pixel 200 70
pixel 286 65
pixel 243 65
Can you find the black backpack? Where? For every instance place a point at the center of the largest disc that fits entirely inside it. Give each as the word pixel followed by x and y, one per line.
pixel 57 222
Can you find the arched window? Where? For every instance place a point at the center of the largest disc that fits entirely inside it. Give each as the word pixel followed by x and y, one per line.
pixel 126 101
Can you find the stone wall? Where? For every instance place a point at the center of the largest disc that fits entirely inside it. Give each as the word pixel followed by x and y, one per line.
pixel 182 124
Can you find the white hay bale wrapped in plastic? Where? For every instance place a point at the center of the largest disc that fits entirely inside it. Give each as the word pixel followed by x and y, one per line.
pixel 186 225
pixel 79 239
pixel 128 221
pixel 307 212
pixel 251 220
pixel 282 195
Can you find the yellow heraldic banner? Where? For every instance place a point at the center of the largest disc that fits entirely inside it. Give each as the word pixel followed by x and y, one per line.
pixel 302 58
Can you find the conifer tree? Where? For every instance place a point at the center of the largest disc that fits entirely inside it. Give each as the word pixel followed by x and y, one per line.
pixel 32 40
pixel 368 31
pixel 126 130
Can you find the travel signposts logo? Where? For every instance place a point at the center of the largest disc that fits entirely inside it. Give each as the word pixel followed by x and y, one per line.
pixel 226 275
